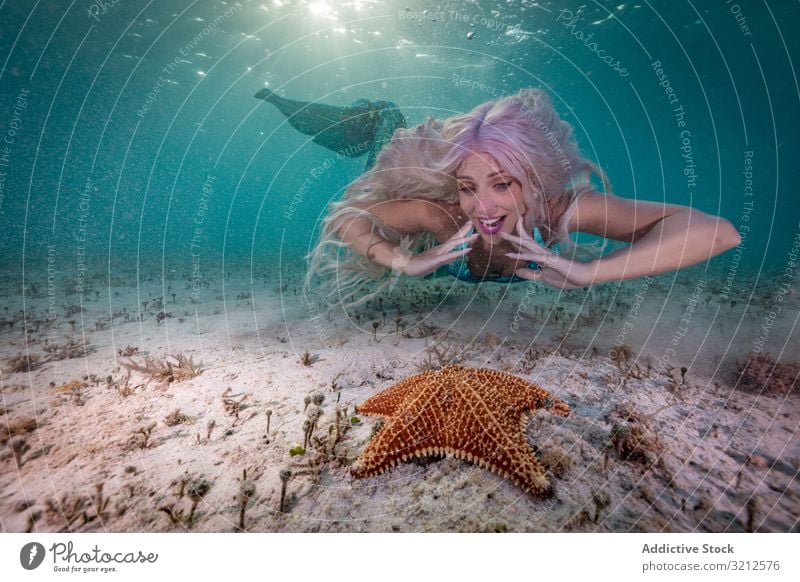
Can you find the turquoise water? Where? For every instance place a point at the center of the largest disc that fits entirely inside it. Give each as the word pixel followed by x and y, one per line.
pixel 132 138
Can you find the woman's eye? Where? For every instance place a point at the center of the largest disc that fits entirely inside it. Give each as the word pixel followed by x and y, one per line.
pixel 503 185
pixel 465 190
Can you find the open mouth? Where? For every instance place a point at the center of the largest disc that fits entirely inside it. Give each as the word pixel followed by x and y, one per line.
pixel 491 225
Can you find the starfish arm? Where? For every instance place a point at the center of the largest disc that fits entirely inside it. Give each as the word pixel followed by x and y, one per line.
pixel 493 436
pixel 417 426
pixel 522 395
pixel 398 441
pixel 514 461
pixel 387 402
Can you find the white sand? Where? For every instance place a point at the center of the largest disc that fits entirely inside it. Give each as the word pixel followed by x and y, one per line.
pixel 729 460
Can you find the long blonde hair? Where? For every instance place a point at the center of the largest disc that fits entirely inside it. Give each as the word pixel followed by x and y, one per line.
pixel 523 132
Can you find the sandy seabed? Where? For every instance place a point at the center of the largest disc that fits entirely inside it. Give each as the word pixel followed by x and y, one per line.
pixel 91 442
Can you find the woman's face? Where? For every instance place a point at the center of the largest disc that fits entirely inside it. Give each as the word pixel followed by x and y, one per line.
pixel 489 196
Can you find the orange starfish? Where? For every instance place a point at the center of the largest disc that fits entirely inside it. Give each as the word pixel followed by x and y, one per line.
pixel 476 414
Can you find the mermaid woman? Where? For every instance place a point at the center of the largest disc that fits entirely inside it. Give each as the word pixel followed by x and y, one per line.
pixel 489 195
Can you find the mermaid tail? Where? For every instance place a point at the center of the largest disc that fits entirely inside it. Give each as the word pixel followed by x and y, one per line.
pixel 389 119
pixel 361 127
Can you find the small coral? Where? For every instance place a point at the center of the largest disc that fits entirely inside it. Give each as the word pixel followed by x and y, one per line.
pixel 307 358
pixel 632 439
pixel 72 512
pixel 163 371
pixel 22 363
pixel 623 358
pixel 761 374
pixel 73 390
pixel 621 355
pixel 175 418
pixel 16 427
pixel 71 348
pixel 247 490
pixel 145 431
pixel 195 489
pixel 439 355
pixel 127 351
pixel 233 402
pixel 126 389
pixel 421 330
pixel 556 460
pixel 161 316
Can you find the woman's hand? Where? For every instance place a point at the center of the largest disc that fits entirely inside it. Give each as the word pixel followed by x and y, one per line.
pixel 427 262
pixel 554 269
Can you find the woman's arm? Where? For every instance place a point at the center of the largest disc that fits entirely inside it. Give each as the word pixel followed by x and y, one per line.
pixel 404 216
pixel 362 235
pixel 664 237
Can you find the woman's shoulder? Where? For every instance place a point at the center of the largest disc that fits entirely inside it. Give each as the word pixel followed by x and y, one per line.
pixel 564 204
pixel 446 219
pixel 410 216
pixel 441 219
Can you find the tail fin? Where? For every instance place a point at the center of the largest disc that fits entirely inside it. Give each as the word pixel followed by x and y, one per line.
pixel 264 94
